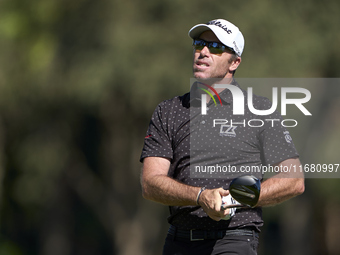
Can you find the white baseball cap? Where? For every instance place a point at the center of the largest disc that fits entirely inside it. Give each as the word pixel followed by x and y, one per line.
pixel 226 32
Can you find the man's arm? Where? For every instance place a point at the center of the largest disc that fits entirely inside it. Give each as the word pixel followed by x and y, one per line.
pixel 282 186
pixel 159 187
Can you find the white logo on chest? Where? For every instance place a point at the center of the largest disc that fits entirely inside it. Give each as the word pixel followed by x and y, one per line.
pixel 228 130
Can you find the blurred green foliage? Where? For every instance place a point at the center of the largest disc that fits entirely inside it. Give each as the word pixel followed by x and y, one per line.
pixel 78 83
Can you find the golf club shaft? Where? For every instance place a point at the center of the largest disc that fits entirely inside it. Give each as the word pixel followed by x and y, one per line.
pixel 233 206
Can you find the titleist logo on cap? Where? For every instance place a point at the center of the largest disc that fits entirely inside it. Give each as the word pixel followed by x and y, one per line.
pixel 237 50
pixel 219 24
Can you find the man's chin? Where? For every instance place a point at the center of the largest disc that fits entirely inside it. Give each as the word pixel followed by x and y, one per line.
pixel 201 76
pixel 205 78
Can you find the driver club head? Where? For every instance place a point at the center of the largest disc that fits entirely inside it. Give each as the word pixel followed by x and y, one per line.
pixel 245 190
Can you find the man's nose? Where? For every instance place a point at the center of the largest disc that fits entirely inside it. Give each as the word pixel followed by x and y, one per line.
pixel 205 51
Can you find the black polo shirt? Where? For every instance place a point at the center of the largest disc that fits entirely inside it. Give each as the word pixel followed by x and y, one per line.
pixel 206 150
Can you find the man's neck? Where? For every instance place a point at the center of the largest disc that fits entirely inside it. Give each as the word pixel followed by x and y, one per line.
pixel 213 82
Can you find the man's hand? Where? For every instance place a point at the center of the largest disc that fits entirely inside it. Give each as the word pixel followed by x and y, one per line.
pixel 211 200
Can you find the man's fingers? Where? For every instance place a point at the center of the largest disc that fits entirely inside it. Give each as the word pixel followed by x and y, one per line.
pixel 226 212
pixel 217 216
pixel 218 199
pixel 223 192
pixel 217 206
pixel 211 202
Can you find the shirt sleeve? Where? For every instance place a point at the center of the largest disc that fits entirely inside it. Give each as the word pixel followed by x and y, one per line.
pixel 158 142
pixel 276 142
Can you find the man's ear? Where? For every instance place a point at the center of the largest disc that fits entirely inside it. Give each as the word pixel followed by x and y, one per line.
pixel 235 64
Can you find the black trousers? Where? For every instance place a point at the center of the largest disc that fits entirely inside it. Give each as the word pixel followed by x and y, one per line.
pixel 231 245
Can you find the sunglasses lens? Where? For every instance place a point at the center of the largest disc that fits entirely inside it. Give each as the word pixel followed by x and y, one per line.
pixel 199 44
pixel 198 47
pixel 214 47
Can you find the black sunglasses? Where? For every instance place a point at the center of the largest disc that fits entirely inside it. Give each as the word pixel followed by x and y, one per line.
pixel 214 47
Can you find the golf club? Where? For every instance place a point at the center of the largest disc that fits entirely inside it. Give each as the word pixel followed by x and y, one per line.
pixel 245 190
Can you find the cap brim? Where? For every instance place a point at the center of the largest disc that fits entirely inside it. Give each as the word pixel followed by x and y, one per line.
pixel 197 30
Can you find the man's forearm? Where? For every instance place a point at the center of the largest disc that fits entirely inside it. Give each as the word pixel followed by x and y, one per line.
pixel 165 190
pixel 277 190
pixel 282 186
pixel 159 187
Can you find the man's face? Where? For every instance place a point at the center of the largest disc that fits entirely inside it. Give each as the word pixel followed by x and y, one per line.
pixel 207 65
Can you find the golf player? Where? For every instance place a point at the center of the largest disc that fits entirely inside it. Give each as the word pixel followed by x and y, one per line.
pixel 180 139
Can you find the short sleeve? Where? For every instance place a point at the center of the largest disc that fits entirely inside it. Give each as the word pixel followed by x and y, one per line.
pixel 157 142
pixel 276 142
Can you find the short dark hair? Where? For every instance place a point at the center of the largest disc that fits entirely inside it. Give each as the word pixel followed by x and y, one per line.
pixel 233 57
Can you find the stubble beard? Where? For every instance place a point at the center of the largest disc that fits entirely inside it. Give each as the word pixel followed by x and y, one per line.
pixel 216 78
